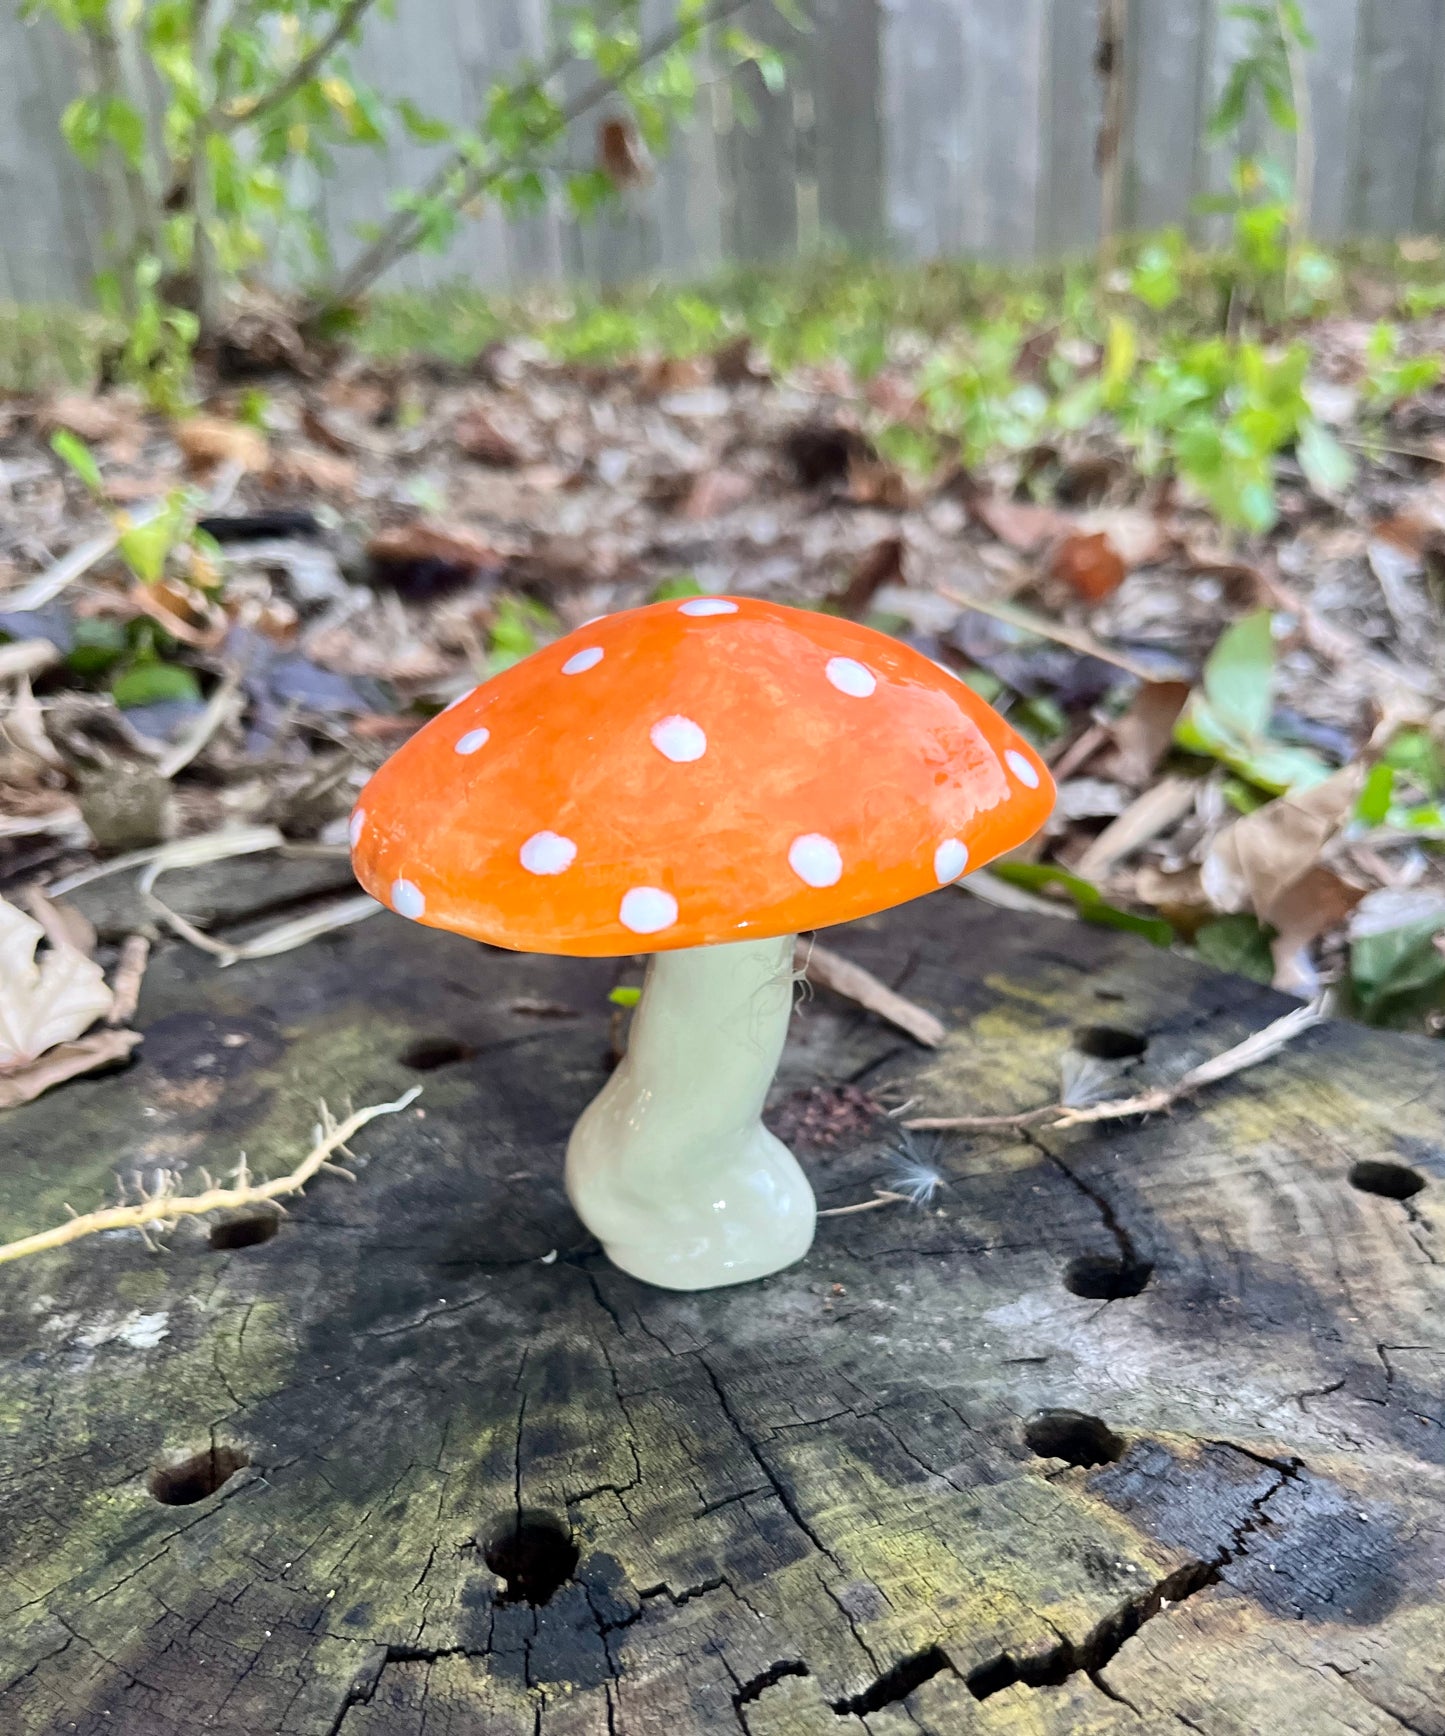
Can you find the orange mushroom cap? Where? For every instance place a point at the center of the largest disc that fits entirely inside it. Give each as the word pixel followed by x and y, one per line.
pixel 692 772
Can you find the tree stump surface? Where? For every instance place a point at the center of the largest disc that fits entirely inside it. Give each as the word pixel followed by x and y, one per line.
pixel 1134 1428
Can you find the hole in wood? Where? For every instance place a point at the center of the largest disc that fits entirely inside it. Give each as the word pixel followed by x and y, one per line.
pixel 247 1232
pixel 1073 1437
pixel 532 1554
pixel 1109 1043
pixel 193 1479
pixel 1106 1277
pixel 1391 1181
pixel 428 1053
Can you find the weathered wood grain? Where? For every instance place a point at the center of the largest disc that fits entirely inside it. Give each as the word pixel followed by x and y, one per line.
pixel 838 1500
pixel 931 127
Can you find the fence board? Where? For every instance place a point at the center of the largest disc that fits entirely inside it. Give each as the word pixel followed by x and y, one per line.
pixel 929 127
pixel 1073 112
pixel 1399 41
pixel 1167 57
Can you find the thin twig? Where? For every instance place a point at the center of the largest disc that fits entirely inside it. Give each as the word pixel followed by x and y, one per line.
pixel 399 236
pixel 1261 1046
pixel 165 1207
pixel 854 983
pixel 1076 638
pixel 881 1197
pixel 218 709
pixel 299 74
pixel 130 970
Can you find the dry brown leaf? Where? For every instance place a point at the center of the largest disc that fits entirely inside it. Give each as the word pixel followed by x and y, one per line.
pixel 1021 525
pixel 479 436
pixel 43 1002
pixel 1089 564
pixel 63 924
pixel 206 441
pixel 130 970
pixel 430 540
pixel 1315 904
pixel 875 482
pixel 881 565
pixel 1145 733
pixel 89 418
pixel 24 1083
pixel 325 472
pixel 1153 812
pixel 1257 860
pixel 715 492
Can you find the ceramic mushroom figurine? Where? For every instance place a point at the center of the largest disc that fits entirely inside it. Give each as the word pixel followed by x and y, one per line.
pixel 701 781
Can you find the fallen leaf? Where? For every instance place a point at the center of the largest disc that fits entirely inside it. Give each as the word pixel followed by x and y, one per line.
pixel 1145 733
pixel 715 492
pixel 206 441
pixel 24 1083
pixel 1089 564
pixel 427 559
pixel 1258 860
pixel 46 1002
pixel 875 482
pixel 1317 903
pixel 1024 527
pixel 1154 811
pixel 881 565
pixel 302 467
pixel 479 436
pixel 89 418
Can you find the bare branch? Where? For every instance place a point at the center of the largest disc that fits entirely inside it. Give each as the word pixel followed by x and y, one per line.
pixel 162 1206
pixel 402 233
pixel 242 114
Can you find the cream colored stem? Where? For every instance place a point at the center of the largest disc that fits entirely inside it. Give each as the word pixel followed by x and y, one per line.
pixel 670 1166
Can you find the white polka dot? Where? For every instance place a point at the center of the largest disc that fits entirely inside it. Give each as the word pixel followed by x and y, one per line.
pixel 678 739
pixel 851 678
pixel 815 860
pixel 648 910
pixel 949 860
pixel 354 830
pixel 453 703
pixel 581 661
pixel 407 899
pixel 1021 769
pixel 473 739
pixel 548 853
pixel 707 606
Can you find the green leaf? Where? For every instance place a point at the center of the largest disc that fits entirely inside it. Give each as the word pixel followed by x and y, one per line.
pixel 96 644
pixel 624 995
pixel 1399 974
pixel 153 683
pixel 1413 752
pixel 72 450
pixel 1328 468
pixel 1239 673
pixel 1237 944
pixel 1376 797
pixel 684 585
pixel 1088 900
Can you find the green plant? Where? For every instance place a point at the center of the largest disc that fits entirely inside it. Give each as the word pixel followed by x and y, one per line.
pixel 1390 378
pixel 1268 201
pixel 147 543
pixel 1227 715
pixel 199 118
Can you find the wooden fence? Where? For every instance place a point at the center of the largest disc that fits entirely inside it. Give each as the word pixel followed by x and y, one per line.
pixel 926 127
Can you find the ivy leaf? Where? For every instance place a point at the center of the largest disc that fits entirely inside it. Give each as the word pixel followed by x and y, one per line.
pixel 624 995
